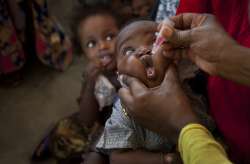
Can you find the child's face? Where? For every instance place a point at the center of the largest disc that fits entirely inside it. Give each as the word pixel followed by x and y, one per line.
pixel 98 37
pixel 134 47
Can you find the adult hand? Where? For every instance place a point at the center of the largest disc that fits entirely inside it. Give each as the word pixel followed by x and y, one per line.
pixel 165 109
pixel 202 39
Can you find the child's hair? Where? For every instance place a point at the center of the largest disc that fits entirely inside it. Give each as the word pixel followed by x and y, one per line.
pixel 81 13
pixel 123 26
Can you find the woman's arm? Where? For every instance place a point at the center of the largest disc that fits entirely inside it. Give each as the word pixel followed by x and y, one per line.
pixel 197 145
pixel 95 158
pixel 210 47
pixel 235 65
pixel 140 157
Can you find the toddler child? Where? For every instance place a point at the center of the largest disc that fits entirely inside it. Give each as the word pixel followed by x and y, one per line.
pixel 96 30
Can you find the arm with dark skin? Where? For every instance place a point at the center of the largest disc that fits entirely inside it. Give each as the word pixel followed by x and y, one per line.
pixel 89 108
pixel 207 44
pixel 95 158
pixel 148 106
pixel 237 65
pixel 143 157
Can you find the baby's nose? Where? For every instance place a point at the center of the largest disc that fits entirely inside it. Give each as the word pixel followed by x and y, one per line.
pixel 143 51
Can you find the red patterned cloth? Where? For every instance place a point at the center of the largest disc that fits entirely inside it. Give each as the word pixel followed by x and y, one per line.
pixel 229 102
pixel 12 56
pixel 52 47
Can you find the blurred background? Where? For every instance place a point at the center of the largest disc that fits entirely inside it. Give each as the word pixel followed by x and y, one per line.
pixel 33 96
pixel 31 108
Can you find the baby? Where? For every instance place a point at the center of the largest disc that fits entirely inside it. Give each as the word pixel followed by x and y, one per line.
pixel 123 138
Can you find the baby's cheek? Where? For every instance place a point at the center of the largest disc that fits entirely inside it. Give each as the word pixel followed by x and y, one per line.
pixel 131 66
pixel 124 65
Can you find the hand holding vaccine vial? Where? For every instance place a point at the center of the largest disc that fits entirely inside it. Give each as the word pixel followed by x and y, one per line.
pixel 167 27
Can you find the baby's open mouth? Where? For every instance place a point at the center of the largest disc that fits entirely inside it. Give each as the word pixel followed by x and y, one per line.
pixel 149 66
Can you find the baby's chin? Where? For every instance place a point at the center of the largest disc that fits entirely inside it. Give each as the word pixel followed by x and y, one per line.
pixel 155 81
pixel 111 66
pixel 152 83
pixel 147 82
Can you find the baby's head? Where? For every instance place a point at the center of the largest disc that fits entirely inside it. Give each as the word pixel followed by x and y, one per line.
pixel 134 57
pixel 96 32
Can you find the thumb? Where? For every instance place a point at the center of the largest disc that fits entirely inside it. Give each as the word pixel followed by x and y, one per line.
pixel 181 38
pixel 171 77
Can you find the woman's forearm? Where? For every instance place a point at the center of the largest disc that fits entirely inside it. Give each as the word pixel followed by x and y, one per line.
pixel 136 157
pixel 235 65
pixel 196 145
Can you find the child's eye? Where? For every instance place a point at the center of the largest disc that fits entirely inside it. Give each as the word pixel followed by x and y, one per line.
pixel 128 51
pixel 91 44
pixel 109 37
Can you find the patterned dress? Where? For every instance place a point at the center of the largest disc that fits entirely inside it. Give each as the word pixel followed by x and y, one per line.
pixel 166 8
pixel 12 56
pixel 51 45
pixel 122 132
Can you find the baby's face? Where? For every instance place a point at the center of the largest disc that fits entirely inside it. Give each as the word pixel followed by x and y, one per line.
pixel 134 47
pixel 98 37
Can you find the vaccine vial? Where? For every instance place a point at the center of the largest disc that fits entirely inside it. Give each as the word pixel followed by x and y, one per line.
pixel 167 26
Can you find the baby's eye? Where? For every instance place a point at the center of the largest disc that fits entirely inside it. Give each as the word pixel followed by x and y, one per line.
pixel 128 51
pixel 91 44
pixel 109 37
